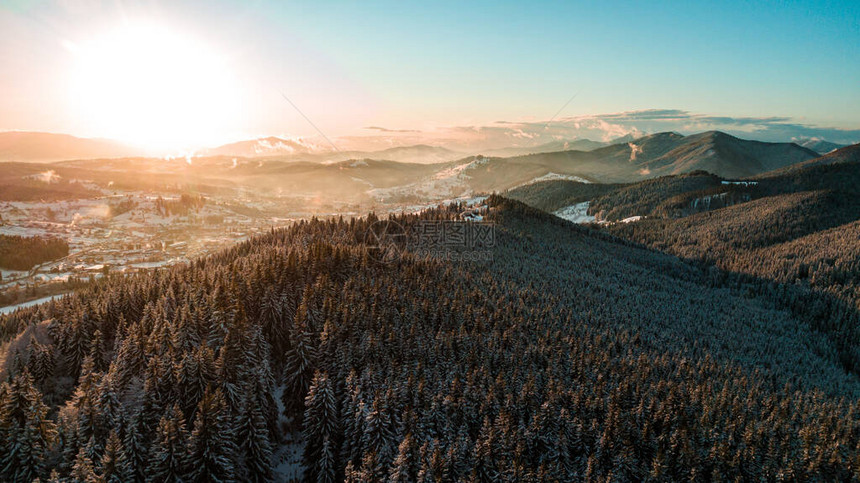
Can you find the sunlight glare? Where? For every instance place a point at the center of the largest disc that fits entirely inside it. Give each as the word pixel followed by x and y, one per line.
pixel 152 86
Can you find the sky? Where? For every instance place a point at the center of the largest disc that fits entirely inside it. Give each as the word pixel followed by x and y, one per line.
pixel 193 73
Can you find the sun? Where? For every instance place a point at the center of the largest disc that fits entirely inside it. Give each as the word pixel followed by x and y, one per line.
pixel 152 86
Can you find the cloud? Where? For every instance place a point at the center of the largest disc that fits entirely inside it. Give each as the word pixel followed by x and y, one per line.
pixel 606 127
pixel 611 126
pixel 768 128
pixel 383 129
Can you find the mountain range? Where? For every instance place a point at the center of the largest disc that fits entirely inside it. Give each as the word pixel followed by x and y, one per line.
pixel 49 147
pixel 706 329
pixel 38 147
pixel 373 177
pixel 720 345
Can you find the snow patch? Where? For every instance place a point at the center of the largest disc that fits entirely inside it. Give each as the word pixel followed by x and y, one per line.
pixel 459 170
pixel 11 308
pixel 555 176
pixel 577 213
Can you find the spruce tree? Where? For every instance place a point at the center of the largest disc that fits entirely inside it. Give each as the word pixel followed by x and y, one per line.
pixel 82 471
pixel 298 369
pixel 170 449
pixel 212 452
pixel 112 460
pixel 254 443
pixel 378 436
pixel 25 430
pixel 326 468
pixel 407 464
pixel 320 422
pixel 135 452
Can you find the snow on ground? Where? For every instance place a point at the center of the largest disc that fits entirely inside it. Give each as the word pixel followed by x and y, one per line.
pixel 447 183
pixel 706 200
pixel 162 263
pixel 473 201
pixel 287 456
pixel 11 308
pixel 555 176
pixel 7 274
pixel 744 183
pixel 577 213
pixel 469 201
pixel 459 170
pixel 56 277
pixel 288 460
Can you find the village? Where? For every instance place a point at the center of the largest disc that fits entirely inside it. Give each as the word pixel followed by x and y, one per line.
pixel 121 234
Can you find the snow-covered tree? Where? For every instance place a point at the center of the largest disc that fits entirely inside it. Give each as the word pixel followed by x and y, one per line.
pixel 212 454
pixel 254 443
pixel 169 452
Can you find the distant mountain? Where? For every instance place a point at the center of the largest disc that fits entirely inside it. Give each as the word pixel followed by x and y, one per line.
pixel 419 153
pixel 554 146
pixel 646 157
pixel 725 155
pixel 267 146
pixel 302 150
pixel 820 146
pixel 47 147
pixel 848 154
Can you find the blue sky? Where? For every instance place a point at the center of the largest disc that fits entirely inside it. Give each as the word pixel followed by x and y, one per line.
pixel 431 65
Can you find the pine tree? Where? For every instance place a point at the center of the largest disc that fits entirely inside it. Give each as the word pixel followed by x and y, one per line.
pixel 407 464
pixel 98 351
pixel 378 436
pixel 135 455
pixel 298 369
pixel 169 451
pixel 232 365
pixel 212 451
pixel 25 430
pixel 254 443
pixel 196 372
pixel 130 358
pixel 82 471
pixel 108 405
pixel 320 422
pixel 326 468
pixel 40 362
pixel 485 460
pixel 112 460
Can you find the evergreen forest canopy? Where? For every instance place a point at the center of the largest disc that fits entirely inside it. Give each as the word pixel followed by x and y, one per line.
pixel 573 356
pixel 23 253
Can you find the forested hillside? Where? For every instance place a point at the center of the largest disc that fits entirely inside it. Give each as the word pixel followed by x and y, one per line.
pixel 555 194
pixel 641 199
pixel 799 230
pixel 22 253
pixel 572 356
pixel 681 195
